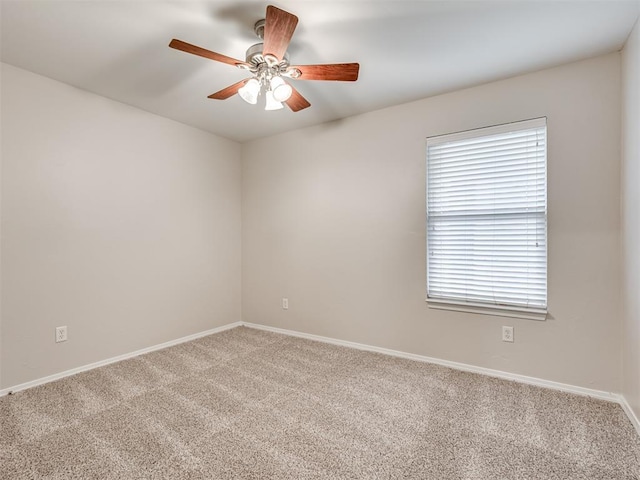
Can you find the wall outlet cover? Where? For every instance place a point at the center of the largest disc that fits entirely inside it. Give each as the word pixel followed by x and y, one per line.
pixel 507 333
pixel 61 334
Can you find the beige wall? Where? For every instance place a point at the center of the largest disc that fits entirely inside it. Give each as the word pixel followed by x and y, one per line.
pixel 120 224
pixel 334 219
pixel 631 217
pixel 1 143
pixel 125 227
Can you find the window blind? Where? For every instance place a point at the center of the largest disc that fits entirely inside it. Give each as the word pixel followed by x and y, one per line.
pixel 487 216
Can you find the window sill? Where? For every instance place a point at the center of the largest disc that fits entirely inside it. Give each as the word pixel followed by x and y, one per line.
pixel 514 312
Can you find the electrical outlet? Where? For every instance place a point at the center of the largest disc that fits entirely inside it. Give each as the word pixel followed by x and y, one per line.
pixel 61 334
pixel 285 304
pixel 507 334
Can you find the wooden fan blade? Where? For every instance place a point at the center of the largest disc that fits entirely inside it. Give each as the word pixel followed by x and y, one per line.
pixel 195 50
pixel 278 30
pixel 230 91
pixel 344 72
pixel 296 101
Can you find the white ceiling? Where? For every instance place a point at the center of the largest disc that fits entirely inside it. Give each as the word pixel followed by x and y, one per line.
pixel 407 50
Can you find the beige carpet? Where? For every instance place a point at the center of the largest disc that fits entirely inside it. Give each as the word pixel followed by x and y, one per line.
pixel 250 404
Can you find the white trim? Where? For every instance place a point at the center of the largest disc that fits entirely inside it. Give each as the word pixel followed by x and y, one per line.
pixel 630 413
pixel 125 356
pixel 447 155
pixel 486 309
pixel 599 394
pixel 563 387
pixel 492 130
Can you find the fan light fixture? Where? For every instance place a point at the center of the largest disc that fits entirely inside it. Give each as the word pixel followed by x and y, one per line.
pixel 271 103
pixel 249 93
pixel 281 89
pixel 266 80
pixel 267 73
pixel 268 63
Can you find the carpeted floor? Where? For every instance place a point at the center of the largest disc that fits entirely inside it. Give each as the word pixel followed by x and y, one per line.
pixel 251 404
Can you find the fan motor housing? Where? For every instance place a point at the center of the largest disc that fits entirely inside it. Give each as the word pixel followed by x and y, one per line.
pixel 255 57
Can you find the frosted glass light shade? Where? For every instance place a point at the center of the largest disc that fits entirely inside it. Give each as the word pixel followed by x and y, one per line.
pixel 272 103
pixel 281 89
pixel 250 91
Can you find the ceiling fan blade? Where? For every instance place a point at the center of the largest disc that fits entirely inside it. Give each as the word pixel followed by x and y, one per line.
pixel 345 72
pixel 278 30
pixel 296 101
pixel 230 91
pixel 195 50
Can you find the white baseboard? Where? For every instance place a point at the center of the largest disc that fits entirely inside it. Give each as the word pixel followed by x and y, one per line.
pixel 563 387
pixel 630 413
pixel 101 363
pixel 602 395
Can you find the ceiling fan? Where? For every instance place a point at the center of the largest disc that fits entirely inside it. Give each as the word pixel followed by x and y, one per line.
pixel 268 62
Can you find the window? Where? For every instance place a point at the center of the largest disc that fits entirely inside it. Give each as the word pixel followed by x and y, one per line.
pixel 487 220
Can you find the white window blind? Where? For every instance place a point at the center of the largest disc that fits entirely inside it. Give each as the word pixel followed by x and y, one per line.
pixel 487 217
